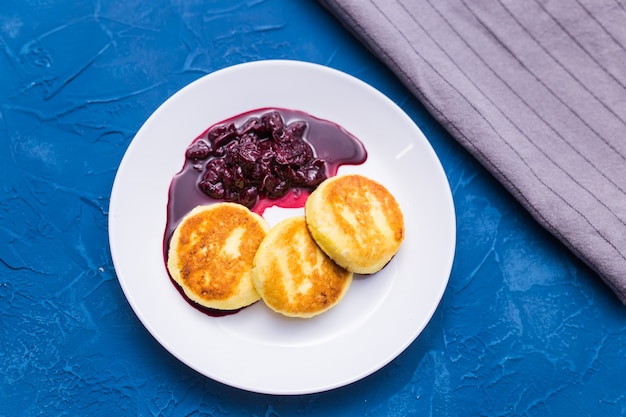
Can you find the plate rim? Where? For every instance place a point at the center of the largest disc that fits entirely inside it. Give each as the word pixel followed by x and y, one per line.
pixel 294 64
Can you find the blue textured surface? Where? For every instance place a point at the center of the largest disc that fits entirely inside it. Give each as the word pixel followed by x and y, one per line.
pixel 524 327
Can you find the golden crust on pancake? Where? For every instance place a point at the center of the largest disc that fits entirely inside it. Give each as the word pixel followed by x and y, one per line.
pixel 293 276
pixel 356 221
pixel 211 252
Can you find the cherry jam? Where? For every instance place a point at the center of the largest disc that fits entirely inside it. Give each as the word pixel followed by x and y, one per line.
pixel 262 158
pixel 330 145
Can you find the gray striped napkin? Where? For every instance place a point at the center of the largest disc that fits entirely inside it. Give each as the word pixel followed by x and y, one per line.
pixel 535 90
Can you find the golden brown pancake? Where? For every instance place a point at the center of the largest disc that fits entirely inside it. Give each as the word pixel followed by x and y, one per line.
pixel 356 221
pixel 293 276
pixel 211 252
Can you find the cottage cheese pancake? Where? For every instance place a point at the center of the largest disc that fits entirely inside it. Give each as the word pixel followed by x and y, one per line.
pixel 356 221
pixel 211 252
pixel 292 274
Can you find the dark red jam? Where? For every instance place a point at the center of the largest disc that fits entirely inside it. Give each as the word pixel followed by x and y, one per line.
pixel 262 158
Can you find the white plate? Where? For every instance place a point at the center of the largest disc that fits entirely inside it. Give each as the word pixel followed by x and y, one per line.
pixel 255 349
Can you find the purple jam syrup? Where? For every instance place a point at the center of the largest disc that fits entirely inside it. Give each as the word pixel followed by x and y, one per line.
pixel 313 150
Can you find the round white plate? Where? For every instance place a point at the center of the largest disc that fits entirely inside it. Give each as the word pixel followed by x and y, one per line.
pixel 256 349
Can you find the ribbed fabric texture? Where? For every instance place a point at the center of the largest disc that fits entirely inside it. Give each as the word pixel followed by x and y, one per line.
pixel 535 90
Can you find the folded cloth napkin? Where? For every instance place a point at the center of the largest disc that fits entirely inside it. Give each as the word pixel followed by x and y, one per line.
pixel 535 90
